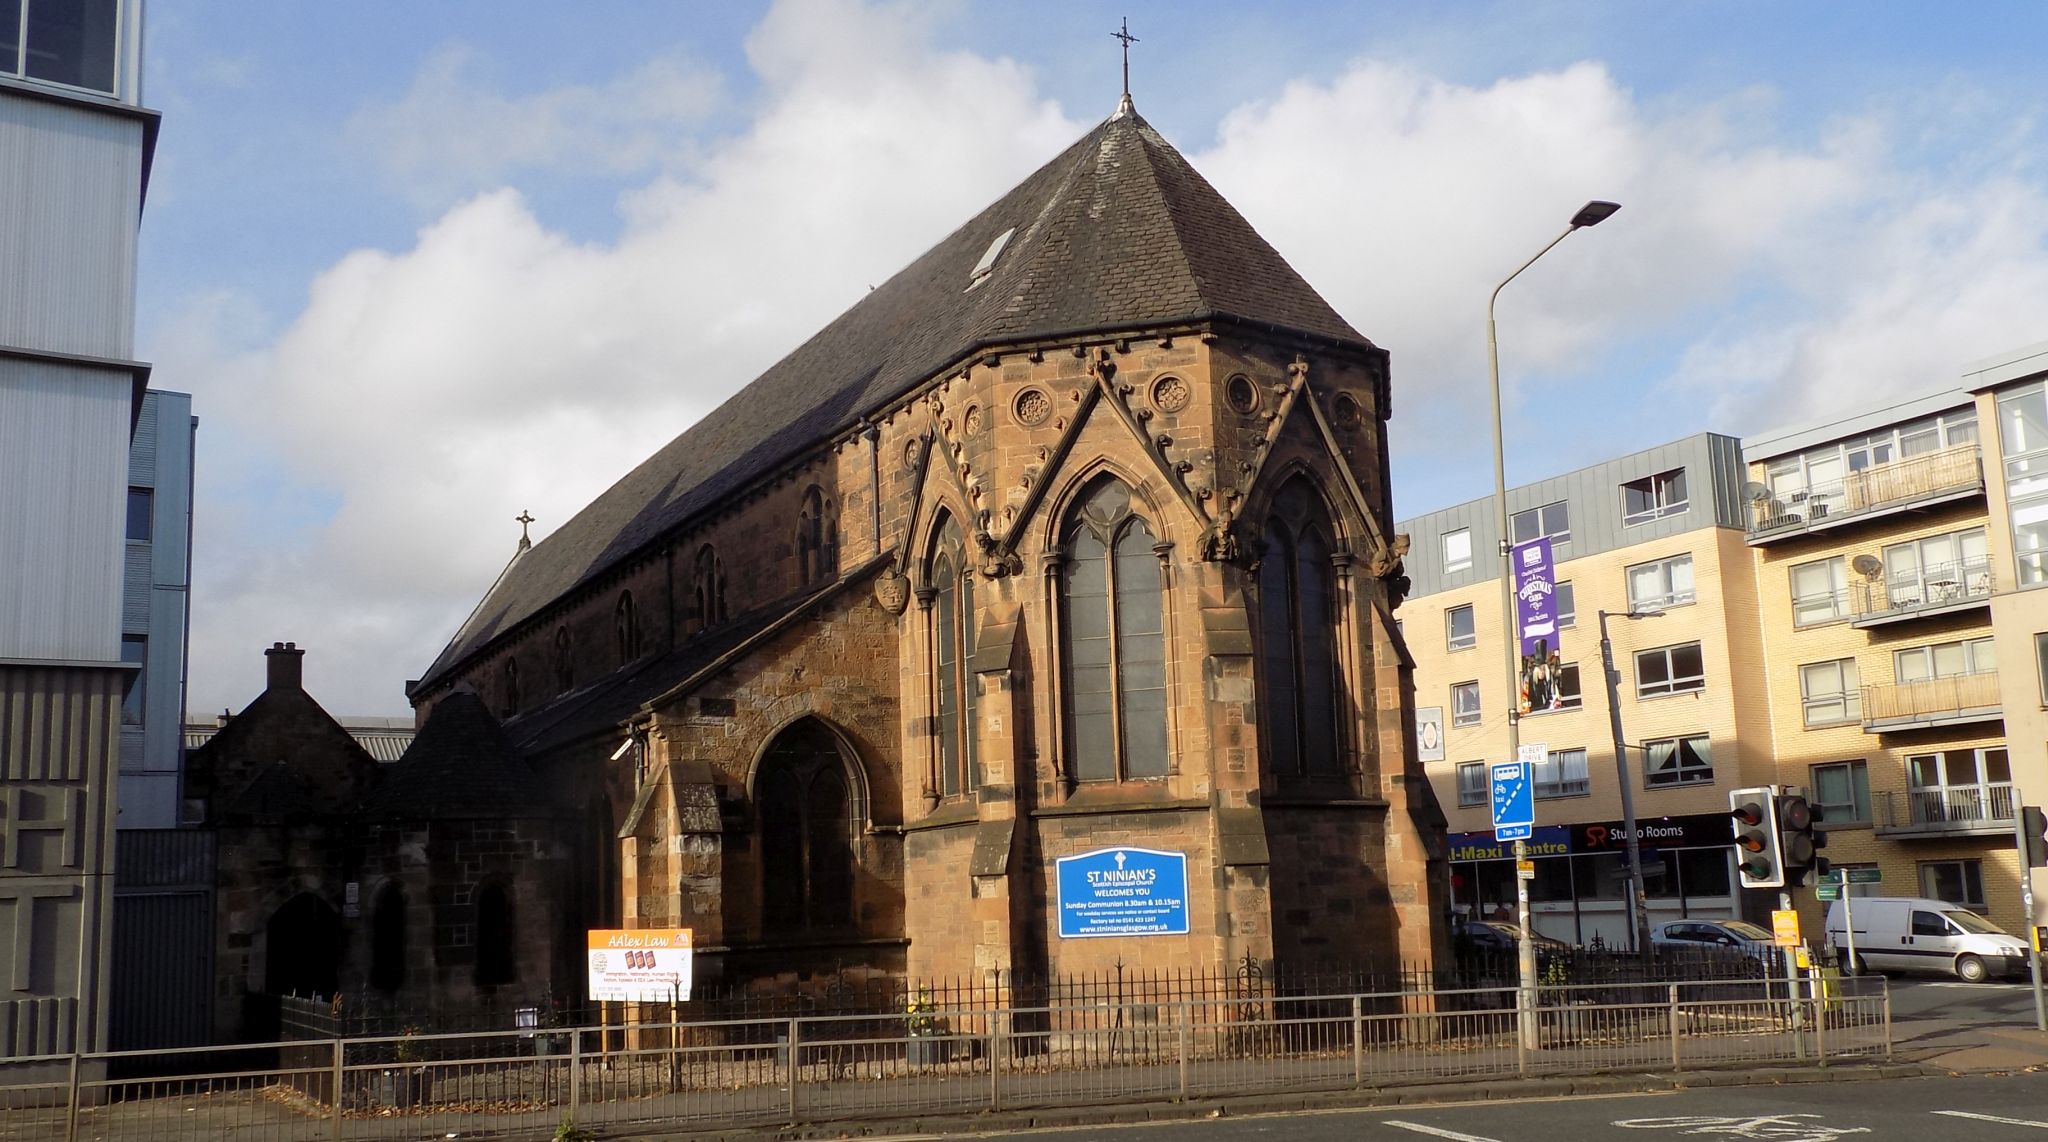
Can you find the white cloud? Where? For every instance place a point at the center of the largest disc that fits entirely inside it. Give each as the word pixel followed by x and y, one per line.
pixel 452 132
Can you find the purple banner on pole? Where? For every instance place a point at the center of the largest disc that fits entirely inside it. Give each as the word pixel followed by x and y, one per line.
pixel 1536 618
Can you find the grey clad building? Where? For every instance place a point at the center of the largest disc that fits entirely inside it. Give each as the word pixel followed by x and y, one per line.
pixel 75 147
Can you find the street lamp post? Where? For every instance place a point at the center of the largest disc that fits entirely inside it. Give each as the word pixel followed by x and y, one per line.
pixel 1591 214
pixel 1638 903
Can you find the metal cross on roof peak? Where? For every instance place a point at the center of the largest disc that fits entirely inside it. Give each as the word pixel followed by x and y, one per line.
pixel 1124 33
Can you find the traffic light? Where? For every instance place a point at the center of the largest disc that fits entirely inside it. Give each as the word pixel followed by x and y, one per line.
pixel 2034 828
pixel 1798 844
pixel 1757 853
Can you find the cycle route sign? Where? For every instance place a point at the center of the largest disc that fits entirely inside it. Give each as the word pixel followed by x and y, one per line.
pixel 1514 800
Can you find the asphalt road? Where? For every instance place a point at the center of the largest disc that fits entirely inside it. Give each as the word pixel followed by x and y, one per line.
pixel 1920 998
pixel 2004 1109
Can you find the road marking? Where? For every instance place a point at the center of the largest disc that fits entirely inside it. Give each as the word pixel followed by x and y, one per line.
pixel 1993 1118
pixel 1762 1127
pixel 1440 1132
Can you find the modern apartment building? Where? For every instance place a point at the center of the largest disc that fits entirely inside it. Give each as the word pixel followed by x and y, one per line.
pixel 1853 607
pixel 75 146
pixel 1659 534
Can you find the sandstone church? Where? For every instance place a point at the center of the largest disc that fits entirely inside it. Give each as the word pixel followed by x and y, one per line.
pixel 1072 535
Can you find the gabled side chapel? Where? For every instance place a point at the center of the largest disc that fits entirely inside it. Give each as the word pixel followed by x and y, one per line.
pixel 1074 533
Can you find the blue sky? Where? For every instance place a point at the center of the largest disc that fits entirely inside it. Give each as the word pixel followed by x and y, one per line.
pixel 425 265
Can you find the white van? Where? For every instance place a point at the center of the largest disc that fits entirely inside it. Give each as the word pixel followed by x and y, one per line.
pixel 1913 933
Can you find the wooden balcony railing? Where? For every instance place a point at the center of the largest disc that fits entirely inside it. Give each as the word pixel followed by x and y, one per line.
pixel 1903 481
pixel 1934 702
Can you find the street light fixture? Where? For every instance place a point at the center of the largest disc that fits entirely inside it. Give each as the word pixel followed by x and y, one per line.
pixel 1591 214
pixel 1638 903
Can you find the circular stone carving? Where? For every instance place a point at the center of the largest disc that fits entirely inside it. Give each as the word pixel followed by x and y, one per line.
pixel 1346 411
pixel 1242 394
pixel 973 419
pixel 1032 407
pixel 1170 394
pixel 913 452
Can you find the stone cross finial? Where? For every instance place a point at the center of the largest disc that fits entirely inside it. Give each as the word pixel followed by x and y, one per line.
pixel 523 519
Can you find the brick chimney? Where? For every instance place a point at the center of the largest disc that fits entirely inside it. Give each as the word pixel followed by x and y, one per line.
pixel 283 661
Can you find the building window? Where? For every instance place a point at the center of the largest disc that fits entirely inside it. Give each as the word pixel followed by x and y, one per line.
pixel 72 42
pixel 1828 693
pixel 1842 790
pixel 626 628
pixel 565 663
pixel 1553 520
pixel 1956 881
pixel 1945 660
pixel 708 593
pixel 951 596
pixel 806 833
pixel 1460 630
pixel 1820 591
pixel 141 514
pixel 387 939
pixel 817 538
pixel 2041 665
pixel 1970 785
pixel 1465 704
pixel 1937 569
pixel 2023 440
pixel 1558 691
pixel 511 676
pixel 1567 605
pixel 1298 637
pixel 1813 483
pixel 1670 670
pixel 1678 761
pixel 1664 583
pixel 1562 774
pixel 1114 643
pixel 1472 783
pixel 497 938
pixel 135 649
pixel 1457 550
pixel 1653 497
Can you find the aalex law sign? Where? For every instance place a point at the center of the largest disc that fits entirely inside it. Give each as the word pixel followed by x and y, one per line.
pixel 639 965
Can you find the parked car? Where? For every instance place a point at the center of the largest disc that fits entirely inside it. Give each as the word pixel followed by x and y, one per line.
pixel 1498 938
pixel 1730 935
pixel 1915 934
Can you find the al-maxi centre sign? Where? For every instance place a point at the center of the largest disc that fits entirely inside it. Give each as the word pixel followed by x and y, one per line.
pixel 639 965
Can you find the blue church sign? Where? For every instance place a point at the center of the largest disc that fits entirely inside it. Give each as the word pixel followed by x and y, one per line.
pixel 1123 892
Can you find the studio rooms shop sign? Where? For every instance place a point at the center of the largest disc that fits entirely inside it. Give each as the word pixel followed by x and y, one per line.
pixel 1123 892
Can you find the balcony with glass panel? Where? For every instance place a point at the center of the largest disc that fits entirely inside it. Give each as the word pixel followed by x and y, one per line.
pixel 1901 594
pixel 1930 702
pixel 1793 505
pixel 1984 809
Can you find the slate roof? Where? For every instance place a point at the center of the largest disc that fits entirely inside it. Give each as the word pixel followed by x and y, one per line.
pixel 460 767
pixel 1117 232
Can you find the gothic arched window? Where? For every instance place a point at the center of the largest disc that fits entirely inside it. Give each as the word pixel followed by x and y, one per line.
pixel 1113 641
pixel 817 539
pixel 511 672
pixel 496 938
pixel 1298 638
pixel 950 591
pixel 387 939
pixel 627 627
pixel 710 587
pixel 806 814
pixel 565 666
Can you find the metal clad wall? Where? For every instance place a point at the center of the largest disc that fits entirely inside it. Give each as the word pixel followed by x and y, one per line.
pixel 142 450
pixel 59 729
pixel 155 596
pixel 163 939
pixel 64 471
pixel 70 202
pixel 135 584
pixel 1713 469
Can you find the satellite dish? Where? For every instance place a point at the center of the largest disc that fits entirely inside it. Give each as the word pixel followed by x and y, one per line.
pixel 1867 565
pixel 1756 493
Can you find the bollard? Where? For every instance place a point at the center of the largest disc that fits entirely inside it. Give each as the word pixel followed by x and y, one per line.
pixel 1677 1064
pixel 1887 1019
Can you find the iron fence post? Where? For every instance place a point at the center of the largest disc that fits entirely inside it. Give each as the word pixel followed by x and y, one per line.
pixel 1357 1040
pixel 795 1030
pixel 339 1045
pixel 1677 1064
pixel 575 1072
pixel 71 1103
pixel 1186 1017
